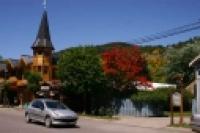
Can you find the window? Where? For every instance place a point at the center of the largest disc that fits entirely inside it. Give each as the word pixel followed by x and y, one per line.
pixel 35 68
pixel 35 104
pixel 41 105
pixel 39 52
pixel 38 104
pixel 55 105
pixel 46 69
pixel 39 68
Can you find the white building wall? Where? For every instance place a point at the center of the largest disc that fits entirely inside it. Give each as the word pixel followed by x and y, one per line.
pixel 198 89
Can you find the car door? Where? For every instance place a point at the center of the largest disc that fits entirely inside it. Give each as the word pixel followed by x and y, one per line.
pixel 35 110
pixel 41 112
pixel 32 110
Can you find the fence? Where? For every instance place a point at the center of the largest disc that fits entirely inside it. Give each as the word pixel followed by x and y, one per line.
pixel 125 107
pixel 194 106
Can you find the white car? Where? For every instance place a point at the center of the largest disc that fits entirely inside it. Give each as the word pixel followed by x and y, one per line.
pixel 50 112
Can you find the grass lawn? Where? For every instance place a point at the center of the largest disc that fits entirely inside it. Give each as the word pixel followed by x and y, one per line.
pixel 184 125
pixel 177 114
pixel 186 113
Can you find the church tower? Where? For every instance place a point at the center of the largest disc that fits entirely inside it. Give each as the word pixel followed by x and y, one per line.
pixel 42 50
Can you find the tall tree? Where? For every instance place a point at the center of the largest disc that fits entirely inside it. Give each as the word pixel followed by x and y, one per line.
pixel 156 61
pixel 80 70
pixel 178 63
pixel 33 79
pixel 125 67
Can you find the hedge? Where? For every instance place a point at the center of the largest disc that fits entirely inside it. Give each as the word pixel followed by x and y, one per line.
pixel 160 98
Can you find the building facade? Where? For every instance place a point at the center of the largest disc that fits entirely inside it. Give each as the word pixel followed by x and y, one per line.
pixel 42 61
pixel 195 63
pixel 42 47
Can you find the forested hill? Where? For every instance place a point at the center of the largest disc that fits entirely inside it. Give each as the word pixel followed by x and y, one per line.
pixel 193 42
pixel 164 61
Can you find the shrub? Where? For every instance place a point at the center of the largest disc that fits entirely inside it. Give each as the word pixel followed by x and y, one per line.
pixel 160 98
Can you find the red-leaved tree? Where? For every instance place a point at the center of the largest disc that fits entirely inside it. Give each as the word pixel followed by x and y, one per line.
pixel 125 67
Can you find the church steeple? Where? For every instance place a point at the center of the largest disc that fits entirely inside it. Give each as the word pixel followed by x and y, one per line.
pixel 43 38
pixel 43 50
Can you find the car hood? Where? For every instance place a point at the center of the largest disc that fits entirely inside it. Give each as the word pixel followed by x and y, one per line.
pixel 65 113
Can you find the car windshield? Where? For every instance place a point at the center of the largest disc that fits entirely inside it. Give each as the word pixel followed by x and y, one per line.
pixel 55 105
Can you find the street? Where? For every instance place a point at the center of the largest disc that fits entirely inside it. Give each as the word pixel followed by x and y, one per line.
pixel 12 121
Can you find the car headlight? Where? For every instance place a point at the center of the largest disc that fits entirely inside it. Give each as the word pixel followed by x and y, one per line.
pixel 54 114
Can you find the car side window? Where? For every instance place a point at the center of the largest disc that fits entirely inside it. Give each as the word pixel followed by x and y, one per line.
pixel 35 104
pixel 38 104
pixel 41 105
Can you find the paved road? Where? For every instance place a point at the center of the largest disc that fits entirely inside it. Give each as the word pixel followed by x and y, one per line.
pixel 12 121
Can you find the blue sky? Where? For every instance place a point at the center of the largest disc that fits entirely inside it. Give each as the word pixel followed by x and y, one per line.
pixel 80 22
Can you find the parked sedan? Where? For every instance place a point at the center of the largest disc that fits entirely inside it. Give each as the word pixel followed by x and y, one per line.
pixel 195 122
pixel 50 112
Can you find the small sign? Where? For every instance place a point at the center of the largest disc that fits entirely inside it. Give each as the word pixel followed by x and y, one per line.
pixel 176 99
pixel 45 88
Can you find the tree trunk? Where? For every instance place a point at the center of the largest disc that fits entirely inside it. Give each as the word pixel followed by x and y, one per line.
pixel 87 105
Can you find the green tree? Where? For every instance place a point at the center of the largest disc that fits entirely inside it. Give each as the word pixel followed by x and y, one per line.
pixel 81 72
pixel 178 63
pixel 33 79
pixel 4 88
pixel 156 61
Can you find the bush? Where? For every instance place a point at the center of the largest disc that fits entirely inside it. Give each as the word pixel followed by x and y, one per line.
pixel 187 101
pixel 160 98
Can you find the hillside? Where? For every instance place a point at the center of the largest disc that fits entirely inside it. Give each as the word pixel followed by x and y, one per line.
pixel 193 42
pixel 163 61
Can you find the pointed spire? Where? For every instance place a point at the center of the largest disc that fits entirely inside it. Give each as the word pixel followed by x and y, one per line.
pixel 43 39
pixel 45 4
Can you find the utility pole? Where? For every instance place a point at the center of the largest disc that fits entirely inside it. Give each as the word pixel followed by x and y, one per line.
pixel 181 107
pixel 171 110
pixel 179 79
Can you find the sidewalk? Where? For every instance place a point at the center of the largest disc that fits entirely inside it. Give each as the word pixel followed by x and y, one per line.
pixel 153 122
pixel 147 122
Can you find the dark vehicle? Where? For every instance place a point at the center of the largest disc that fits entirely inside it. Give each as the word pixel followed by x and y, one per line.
pixel 50 112
pixel 195 122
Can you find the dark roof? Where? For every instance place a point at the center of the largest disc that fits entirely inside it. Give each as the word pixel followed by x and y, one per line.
pixel 27 58
pixel 3 67
pixel 14 62
pixel 43 39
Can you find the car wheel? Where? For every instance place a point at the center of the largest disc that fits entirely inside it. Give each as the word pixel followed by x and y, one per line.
pixel 28 119
pixel 73 125
pixel 48 122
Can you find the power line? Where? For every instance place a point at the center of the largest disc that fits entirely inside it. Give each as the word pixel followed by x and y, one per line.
pixel 168 33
